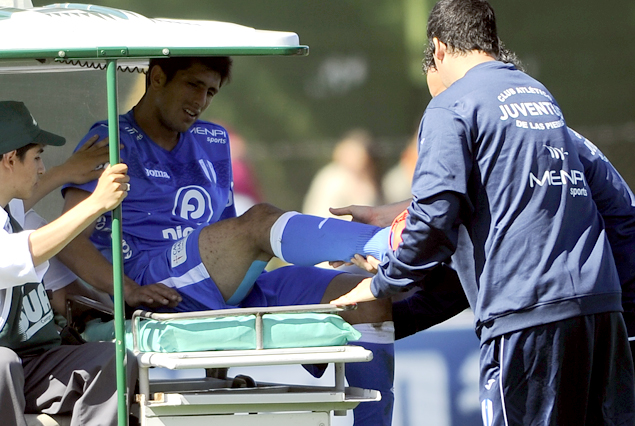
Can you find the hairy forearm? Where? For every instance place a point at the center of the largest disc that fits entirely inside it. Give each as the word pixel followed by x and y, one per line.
pixel 83 258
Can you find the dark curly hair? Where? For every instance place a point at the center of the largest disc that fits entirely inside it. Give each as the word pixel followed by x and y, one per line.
pixel 464 26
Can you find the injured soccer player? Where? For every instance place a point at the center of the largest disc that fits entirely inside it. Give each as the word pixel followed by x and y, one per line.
pixel 185 249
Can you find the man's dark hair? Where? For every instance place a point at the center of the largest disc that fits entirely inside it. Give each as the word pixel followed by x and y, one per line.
pixel 21 152
pixel 464 26
pixel 170 66
pixel 509 57
pixel 504 55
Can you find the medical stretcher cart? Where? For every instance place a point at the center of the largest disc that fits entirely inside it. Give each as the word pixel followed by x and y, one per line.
pixel 201 401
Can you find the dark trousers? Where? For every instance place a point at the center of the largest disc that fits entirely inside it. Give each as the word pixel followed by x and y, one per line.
pixel 574 372
pixel 68 379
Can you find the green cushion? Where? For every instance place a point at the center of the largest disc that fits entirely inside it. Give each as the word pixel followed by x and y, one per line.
pixel 191 335
pixel 238 333
pixel 306 330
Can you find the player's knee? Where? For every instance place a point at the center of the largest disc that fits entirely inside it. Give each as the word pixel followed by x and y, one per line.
pixel 261 216
pixel 262 211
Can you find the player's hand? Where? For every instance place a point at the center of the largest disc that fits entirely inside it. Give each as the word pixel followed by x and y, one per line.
pixel 87 163
pixel 112 187
pixel 361 293
pixel 151 295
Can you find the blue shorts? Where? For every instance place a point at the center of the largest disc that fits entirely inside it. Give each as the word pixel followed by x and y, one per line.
pixel 180 267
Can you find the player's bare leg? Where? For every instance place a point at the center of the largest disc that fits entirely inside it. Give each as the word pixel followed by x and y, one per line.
pixel 377 311
pixel 231 247
pixel 228 248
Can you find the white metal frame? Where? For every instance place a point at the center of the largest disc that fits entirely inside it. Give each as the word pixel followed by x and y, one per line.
pixel 210 399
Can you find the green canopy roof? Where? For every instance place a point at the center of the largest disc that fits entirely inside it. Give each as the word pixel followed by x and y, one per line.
pixel 63 37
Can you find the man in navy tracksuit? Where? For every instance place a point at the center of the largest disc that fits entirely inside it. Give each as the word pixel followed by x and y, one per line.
pixel 498 168
pixel 442 296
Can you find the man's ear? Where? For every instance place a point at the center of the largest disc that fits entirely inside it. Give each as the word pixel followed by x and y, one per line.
pixel 157 76
pixel 440 49
pixel 9 159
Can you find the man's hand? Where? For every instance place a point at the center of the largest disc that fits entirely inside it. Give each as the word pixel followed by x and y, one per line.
pixel 381 216
pixel 151 295
pixel 86 164
pixel 112 187
pixel 363 214
pixel 361 293
pixel 368 263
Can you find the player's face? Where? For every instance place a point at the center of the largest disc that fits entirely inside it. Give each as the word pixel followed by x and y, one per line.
pixel 184 98
pixel 28 172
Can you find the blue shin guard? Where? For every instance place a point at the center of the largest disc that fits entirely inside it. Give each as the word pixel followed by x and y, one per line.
pixel 254 271
pixel 308 240
pixel 377 374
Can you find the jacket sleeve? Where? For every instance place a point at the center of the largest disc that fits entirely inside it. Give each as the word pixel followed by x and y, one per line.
pixel 440 199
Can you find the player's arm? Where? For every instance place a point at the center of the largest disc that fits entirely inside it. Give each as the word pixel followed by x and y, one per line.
pixel 81 167
pixel 81 257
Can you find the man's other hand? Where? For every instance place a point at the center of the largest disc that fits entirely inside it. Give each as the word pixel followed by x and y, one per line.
pixel 152 295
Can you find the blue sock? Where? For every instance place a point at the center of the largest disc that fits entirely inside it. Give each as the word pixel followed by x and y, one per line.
pixel 308 240
pixel 377 245
pixel 376 374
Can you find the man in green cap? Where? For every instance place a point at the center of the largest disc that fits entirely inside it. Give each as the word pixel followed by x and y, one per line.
pixel 37 373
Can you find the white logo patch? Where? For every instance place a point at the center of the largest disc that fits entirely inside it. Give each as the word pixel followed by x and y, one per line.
pixel 179 253
pixel 157 174
pixel 193 203
pixel 556 153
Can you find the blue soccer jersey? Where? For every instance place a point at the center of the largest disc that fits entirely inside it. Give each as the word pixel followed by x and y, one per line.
pixel 173 195
pixel 171 192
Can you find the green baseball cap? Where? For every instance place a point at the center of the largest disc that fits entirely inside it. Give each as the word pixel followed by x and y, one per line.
pixel 18 128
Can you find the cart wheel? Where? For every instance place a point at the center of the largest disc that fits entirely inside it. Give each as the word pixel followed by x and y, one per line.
pixel 242 381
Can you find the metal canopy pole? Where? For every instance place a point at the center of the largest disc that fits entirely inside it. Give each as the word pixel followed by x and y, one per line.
pixel 117 252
